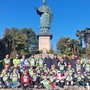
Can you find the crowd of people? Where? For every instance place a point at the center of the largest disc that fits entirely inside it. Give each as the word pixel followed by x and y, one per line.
pixel 45 72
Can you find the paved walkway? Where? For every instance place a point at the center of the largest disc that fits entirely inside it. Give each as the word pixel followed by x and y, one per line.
pixel 66 88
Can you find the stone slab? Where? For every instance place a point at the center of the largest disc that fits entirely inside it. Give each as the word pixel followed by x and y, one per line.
pixel 44 44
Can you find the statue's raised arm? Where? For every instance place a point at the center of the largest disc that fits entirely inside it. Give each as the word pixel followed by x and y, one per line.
pixel 38 12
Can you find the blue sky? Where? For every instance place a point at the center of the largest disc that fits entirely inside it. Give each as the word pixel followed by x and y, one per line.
pixel 68 16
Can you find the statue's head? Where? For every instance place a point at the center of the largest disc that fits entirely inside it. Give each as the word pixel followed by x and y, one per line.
pixel 44 2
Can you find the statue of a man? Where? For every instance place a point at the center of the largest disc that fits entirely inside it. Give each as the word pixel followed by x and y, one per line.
pixel 45 18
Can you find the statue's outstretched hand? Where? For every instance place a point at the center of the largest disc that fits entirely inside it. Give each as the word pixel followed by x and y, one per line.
pixel 35 8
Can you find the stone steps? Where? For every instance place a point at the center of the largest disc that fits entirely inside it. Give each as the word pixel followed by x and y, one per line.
pixel 43 55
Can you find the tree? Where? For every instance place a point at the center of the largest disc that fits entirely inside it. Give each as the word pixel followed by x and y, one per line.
pixel 85 35
pixel 51 51
pixel 2 49
pixel 68 46
pixel 62 44
pixel 19 40
pixel 32 38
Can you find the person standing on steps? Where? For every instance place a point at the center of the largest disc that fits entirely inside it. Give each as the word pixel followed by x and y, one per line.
pixel 48 61
pixel 6 61
pixel 55 61
pixel 32 61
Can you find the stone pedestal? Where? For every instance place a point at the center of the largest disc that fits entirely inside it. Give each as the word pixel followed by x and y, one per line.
pixel 44 43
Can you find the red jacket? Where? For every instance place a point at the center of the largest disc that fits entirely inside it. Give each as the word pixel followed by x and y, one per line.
pixel 27 81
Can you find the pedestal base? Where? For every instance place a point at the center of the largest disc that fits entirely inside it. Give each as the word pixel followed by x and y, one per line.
pixel 44 43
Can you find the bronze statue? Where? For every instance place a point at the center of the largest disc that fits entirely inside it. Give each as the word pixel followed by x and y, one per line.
pixel 45 18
